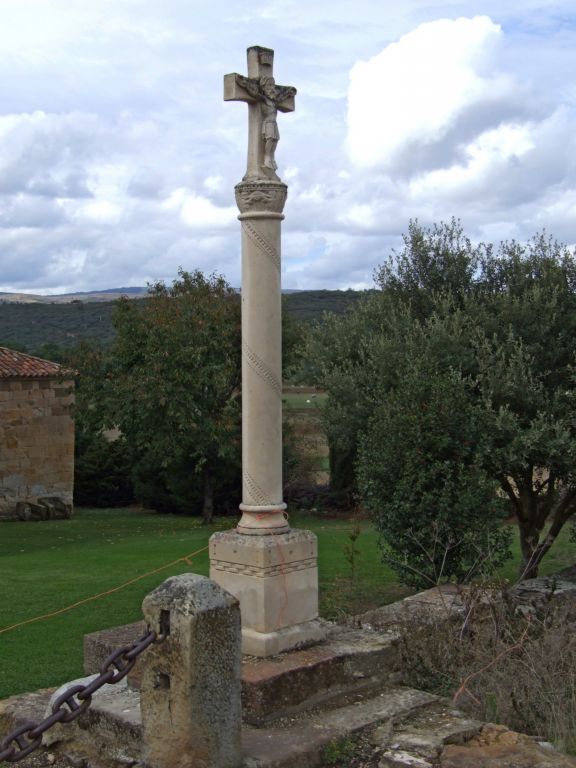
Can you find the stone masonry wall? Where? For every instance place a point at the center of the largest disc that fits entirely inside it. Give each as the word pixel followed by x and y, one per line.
pixel 36 448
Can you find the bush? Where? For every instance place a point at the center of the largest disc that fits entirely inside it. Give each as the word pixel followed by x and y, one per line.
pixel 500 664
pixel 422 476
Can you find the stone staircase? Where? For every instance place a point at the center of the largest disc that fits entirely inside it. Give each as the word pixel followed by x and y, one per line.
pixel 337 703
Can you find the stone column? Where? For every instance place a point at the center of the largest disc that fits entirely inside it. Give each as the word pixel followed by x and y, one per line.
pixel 271 569
pixel 261 205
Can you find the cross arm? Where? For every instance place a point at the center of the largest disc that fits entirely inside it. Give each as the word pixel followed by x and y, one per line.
pixel 285 98
pixel 240 88
pixel 248 89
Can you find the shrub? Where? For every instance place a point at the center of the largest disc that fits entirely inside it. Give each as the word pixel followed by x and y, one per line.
pixel 500 663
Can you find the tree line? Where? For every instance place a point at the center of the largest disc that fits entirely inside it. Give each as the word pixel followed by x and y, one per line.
pixel 32 326
pixel 450 409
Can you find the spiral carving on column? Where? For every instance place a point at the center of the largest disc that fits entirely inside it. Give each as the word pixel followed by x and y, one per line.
pixel 261 242
pixel 255 491
pixel 264 371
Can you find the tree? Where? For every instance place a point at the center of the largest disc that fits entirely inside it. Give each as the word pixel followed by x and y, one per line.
pixel 175 390
pixel 512 349
pixel 527 309
pixel 339 358
pixel 102 471
pixel 422 466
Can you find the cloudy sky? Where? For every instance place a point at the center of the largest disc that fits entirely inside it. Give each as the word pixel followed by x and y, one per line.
pixel 118 156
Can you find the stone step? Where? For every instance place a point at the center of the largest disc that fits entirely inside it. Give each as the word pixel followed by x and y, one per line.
pixel 349 663
pixel 301 742
pixel 420 739
pixel 399 728
pixel 110 732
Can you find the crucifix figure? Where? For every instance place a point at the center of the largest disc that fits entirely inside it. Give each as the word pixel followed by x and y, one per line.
pixel 264 99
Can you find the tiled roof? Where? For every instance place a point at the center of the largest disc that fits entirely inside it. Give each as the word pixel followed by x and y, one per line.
pixel 18 365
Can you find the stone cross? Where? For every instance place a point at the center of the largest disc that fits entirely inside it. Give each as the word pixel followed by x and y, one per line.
pixel 264 99
pixel 271 569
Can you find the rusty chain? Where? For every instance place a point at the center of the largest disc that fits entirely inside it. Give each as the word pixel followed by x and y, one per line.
pixel 74 701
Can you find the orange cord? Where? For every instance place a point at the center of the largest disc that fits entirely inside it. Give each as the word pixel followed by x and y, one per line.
pixel 185 559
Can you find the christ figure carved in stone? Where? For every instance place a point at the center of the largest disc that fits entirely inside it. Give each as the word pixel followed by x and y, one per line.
pixel 270 132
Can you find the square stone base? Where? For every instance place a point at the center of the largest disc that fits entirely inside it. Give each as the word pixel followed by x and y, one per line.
pixel 275 579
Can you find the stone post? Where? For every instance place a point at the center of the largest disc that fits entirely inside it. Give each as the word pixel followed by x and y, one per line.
pixel 190 689
pixel 271 569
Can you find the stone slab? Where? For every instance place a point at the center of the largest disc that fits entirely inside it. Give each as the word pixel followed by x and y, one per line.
pixel 420 739
pixel 301 743
pixel 446 601
pixel 99 645
pixel 348 661
pixel 23 708
pixel 390 720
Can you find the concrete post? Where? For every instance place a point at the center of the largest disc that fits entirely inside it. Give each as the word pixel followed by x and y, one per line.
pixel 190 690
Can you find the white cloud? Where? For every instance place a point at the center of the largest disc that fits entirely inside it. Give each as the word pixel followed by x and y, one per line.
pixel 199 212
pixel 413 94
pixel 119 157
pixel 100 211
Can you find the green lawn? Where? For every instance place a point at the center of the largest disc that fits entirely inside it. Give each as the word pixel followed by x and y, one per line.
pixel 47 566
pixel 304 400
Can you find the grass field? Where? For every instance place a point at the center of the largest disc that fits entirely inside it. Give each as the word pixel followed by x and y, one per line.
pixel 47 566
pixel 303 411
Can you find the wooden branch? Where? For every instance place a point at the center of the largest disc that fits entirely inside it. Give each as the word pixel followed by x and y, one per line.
pixel 506 652
pixel 509 490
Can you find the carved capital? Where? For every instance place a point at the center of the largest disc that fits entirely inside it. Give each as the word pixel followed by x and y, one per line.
pixel 261 196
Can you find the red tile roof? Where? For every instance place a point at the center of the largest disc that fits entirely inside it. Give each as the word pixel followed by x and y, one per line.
pixel 18 365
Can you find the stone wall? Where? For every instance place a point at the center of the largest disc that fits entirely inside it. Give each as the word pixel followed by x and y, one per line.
pixel 36 448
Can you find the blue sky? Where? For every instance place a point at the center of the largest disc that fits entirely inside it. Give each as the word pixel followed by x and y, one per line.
pixel 118 156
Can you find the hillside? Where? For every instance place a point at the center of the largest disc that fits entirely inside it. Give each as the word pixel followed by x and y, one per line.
pixel 107 294
pixel 32 325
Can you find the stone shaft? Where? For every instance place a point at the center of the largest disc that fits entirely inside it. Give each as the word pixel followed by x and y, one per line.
pixel 262 503
pixel 190 689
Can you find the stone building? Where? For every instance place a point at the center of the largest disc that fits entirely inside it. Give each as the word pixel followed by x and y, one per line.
pixel 36 438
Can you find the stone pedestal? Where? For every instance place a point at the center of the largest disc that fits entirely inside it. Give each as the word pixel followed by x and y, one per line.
pixel 275 579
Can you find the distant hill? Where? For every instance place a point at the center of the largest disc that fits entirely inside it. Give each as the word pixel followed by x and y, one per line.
pixel 106 294
pixel 33 324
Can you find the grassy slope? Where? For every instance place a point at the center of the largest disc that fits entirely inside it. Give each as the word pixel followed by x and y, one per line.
pixel 45 566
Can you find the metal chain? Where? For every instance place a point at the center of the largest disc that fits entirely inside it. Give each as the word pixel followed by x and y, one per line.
pixel 74 701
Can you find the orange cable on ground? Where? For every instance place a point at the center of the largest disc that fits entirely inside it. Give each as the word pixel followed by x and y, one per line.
pixel 185 559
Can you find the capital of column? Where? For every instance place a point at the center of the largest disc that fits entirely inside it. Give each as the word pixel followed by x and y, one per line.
pixel 261 196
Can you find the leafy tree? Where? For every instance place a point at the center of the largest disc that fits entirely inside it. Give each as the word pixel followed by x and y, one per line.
pixel 527 309
pixel 102 471
pixel 422 466
pixel 501 322
pixel 435 261
pixel 174 390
